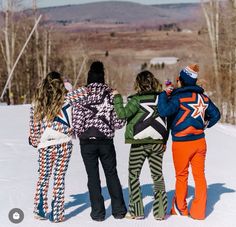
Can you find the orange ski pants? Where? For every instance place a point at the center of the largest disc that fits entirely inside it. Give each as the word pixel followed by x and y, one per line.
pixel 184 154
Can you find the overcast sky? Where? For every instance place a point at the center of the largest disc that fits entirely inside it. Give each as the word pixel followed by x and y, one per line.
pixel 46 3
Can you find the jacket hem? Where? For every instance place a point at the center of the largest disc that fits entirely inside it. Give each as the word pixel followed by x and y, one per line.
pixel 54 142
pixel 190 138
pixel 96 141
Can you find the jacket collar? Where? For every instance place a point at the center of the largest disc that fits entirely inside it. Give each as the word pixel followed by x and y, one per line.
pixel 96 85
pixel 194 88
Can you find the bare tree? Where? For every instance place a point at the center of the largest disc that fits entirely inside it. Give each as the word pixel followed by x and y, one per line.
pixel 228 61
pixel 211 13
pixel 233 3
pixel 38 62
pixel 221 24
pixel 8 47
pixel 233 60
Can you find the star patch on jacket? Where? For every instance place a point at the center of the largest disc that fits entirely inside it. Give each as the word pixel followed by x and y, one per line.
pixel 197 108
pixel 149 108
pixel 151 124
pixel 63 117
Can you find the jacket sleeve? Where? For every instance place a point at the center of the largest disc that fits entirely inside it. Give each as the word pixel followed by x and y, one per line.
pixel 129 110
pixel 35 129
pixel 212 114
pixel 118 123
pixel 77 119
pixel 167 106
pixel 77 95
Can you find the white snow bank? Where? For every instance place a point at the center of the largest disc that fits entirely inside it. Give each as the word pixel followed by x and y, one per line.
pixel 18 175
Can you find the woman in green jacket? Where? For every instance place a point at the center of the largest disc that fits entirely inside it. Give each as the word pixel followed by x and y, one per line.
pixel 147 133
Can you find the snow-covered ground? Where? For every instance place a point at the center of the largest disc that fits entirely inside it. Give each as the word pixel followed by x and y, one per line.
pixel 18 175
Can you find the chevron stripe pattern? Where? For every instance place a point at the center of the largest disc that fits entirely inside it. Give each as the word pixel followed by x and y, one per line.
pixel 154 154
pixel 77 95
pixel 56 156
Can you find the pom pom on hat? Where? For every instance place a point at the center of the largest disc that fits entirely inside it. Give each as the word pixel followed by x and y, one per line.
pixel 189 74
pixel 194 67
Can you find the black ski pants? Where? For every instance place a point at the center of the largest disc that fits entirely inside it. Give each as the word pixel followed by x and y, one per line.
pixel 91 153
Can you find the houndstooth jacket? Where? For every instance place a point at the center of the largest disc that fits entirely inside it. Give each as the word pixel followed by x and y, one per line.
pixel 45 133
pixel 95 117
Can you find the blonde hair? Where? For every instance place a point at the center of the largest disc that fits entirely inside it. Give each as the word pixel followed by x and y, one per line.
pixel 145 81
pixel 49 97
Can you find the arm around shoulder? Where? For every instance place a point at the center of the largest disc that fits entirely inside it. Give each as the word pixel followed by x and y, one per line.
pixel 77 95
pixel 124 112
pixel 167 106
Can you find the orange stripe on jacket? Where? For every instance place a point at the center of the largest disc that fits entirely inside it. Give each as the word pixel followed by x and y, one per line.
pixel 189 130
pixel 206 99
pixel 183 117
pixel 189 99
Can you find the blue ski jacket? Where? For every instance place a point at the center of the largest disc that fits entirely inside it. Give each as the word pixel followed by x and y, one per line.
pixel 190 111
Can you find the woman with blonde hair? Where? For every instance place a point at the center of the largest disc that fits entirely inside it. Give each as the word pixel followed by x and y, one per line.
pixel 51 132
pixel 147 133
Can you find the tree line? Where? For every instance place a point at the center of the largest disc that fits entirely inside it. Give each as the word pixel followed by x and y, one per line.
pixel 47 51
pixel 221 23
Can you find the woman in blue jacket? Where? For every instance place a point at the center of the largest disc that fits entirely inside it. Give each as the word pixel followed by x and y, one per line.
pixel 191 112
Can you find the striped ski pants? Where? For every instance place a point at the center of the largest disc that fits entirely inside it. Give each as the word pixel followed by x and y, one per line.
pixel 52 159
pixel 154 154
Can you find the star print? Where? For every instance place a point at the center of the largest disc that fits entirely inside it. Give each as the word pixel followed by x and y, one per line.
pixel 103 109
pixel 199 108
pixel 63 117
pixel 150 107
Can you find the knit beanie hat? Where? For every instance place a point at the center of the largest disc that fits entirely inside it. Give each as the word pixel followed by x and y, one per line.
pixel 189 74
pixel 96 73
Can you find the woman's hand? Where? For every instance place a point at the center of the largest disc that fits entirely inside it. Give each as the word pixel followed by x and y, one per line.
pixel 169 87
pixel 30 142
pixel 169 90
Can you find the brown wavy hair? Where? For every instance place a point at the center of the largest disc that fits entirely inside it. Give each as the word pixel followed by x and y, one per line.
pixel 49 97
pixel 145 81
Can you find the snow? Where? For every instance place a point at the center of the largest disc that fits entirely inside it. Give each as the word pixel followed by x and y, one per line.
pixel 18 175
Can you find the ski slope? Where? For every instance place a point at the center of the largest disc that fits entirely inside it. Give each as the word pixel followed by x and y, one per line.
pixel 18 176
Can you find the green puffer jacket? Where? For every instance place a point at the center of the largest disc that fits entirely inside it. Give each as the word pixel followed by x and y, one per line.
pixel 144 125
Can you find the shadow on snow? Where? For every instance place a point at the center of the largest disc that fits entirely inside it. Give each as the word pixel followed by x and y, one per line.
pixel 80 202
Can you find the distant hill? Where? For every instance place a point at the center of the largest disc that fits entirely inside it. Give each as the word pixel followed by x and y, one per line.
pixel 122 13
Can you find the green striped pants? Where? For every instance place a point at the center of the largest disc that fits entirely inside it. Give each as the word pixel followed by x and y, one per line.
pixel 138 154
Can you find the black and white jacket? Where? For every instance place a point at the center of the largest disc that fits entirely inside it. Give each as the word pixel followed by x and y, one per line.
pixel 94 118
